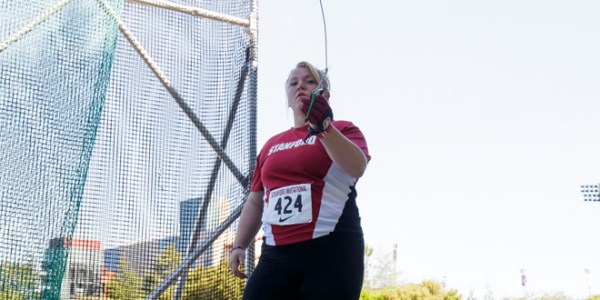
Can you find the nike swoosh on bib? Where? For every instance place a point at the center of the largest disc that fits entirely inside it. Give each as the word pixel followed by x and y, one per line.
pixel 284 219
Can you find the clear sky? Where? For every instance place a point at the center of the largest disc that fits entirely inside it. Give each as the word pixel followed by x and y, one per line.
pixel 482 119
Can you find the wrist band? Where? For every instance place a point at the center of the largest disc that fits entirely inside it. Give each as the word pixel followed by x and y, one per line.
pixel 235 248
pixel 319 132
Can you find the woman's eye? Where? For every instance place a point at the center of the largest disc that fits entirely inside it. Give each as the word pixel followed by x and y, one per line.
pixel 293 83
pixel 311 81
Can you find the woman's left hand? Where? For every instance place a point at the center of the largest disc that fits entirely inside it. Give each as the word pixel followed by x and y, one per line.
pixel 319 114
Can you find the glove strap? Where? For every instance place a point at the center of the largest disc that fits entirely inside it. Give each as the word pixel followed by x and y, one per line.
pixel 324 133
pixel 312 131
pixel 321 132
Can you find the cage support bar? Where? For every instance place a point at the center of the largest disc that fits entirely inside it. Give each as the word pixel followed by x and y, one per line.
pixel 173 92
pixel 33 24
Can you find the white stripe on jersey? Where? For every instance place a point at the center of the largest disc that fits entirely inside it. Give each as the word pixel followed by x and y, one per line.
pixel 335 195
pixel 267 233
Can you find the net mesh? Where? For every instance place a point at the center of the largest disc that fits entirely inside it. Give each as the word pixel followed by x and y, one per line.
pixel 109 180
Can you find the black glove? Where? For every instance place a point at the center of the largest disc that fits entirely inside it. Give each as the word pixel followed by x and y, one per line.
pixel 318 113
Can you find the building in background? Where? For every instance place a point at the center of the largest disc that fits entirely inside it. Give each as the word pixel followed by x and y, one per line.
pixel 89 268
pixel 143 256
pixel 140 257
pixel 83 276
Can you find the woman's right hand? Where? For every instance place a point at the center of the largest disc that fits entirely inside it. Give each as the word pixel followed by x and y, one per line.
pixel 236 260
pixel 319 112
pixel 247 228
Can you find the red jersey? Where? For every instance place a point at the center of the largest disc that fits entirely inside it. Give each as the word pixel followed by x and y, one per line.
pixel 312 196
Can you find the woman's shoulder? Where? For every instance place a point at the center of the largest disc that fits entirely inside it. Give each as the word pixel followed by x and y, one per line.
pixel 342 123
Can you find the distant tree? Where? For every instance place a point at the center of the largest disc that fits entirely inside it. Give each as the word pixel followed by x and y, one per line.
pixel 594 297
pixel 554 296
pixel 168 260
pixel 215 282
pixel 382 273
pixel 471 295
pixel 126 285
pixel 426 290
pixel 19 281
pixel 366 280
pixel 489 295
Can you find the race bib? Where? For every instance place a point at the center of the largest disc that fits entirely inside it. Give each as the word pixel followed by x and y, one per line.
pixel 290 205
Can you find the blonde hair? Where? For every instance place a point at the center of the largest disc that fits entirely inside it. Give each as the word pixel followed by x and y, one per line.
pixel 316 73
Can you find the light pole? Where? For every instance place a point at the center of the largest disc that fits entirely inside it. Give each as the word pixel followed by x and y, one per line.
pixel 395 258
pixel 591 192
pixel 587 275
pixel 524 283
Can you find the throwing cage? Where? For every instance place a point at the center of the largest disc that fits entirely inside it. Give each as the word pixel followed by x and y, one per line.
pixel 127 143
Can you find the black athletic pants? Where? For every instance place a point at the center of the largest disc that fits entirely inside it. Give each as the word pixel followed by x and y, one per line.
pixel 330 267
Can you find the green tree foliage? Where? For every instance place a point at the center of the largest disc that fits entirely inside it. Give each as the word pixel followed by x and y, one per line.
pixel 168 260
pixel 126 286
pixel 426 290
pixel 19 281
pixel 215 282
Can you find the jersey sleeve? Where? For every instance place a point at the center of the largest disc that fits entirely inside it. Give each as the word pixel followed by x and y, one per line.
pixel 256 184
pixel 353 133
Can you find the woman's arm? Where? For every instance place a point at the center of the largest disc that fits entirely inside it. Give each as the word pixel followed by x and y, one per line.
pixel 250 222
pixel 344 152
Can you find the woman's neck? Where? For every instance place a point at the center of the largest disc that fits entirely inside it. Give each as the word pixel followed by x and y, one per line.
pixel 299 120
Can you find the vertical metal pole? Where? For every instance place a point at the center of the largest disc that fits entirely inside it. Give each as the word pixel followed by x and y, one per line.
pixel 524 283
pixel 252 100
pixel 250 253
pixel 587 275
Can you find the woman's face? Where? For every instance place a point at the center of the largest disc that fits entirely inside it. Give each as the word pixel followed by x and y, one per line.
pixel 300 83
